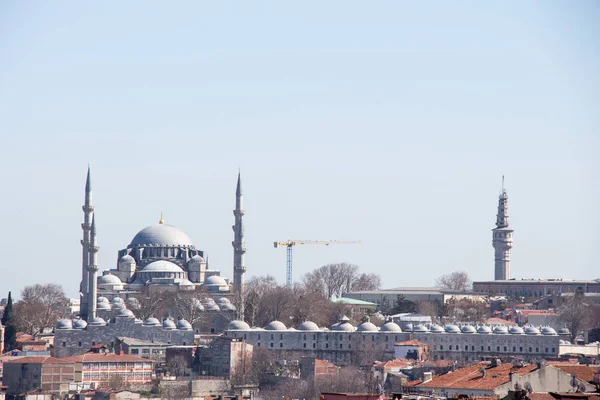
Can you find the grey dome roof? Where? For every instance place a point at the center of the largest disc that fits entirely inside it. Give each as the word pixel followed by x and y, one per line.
pixel 125 313
pixel 436 329
pixel 276 326
pixel 238 326
pixel 308 326
pixel 390 327
pixel 484 330
pixel 64 324
pixel 152 322
pixel 420 328
pixel 564 331
pixel 109 279
pixel 215 280
pixel 102 299
pixel 223 300
pixel 227 307
pixel 452 329
pixel 97 322
pixel 467 329
pixel 117 300
pixel 161 235
pixel 516 330
pixel 530 330
pixel 103 306
pixel 168 324
pixel 79 324
pixel 183 325
pixel 500 330
pixel 197 259
pixel 162 266
pixel 366 327
pixel 549 331
pixel 343 326
pixel 126 259
pixel 212 307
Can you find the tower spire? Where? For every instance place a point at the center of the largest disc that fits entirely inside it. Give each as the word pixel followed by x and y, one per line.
pixel 502 238
pixel 93 272
pixel 239 245
pixel 88 210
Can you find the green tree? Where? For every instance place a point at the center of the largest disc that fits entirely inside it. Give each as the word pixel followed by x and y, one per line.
pixel 402 305
pixel 10 332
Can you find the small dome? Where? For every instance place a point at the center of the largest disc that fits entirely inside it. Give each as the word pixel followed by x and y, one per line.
pixel 223 300
pixel 117 300
pixel 127 259
pixel 79 324
pixel 197 259
pixel 208 301
pixel 152 322
pixel 102 299
pixel 500 330
pixel 548 331
pixel 420 328
pixel 452 329
pixel 343 326
pixel 97 322
pixel 564 331
pixel 161 235
pixel 64 324
pixel 308 326
pixel 238 326
pixel 436 329
pixel 291 328
pixel 109 279
pixel 162 266
pixel 183 325
pixel 125 313
pixel 103 306
pixel 484 330
pixel 366 327
pixel 563 342
pixel 467 329
pixel 390 327
pixel 212 307
pixel 168 324
pixel 199 306
pixel 276 326
pixel 228 307
pixel 516 330
pixel 531 330
pixel 215 280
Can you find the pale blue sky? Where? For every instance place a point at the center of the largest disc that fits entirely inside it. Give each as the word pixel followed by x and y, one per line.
pixel 389 122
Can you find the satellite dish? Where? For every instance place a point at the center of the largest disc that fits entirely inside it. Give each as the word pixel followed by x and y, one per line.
pixel 528 387
pixel 581 387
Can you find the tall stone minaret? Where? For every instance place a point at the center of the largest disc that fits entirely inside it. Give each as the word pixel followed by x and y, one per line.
pixel 86 226
pixel 239 246
pixel 502 238
pixel 92 272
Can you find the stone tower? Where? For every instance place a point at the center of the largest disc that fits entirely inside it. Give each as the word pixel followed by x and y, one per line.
pixel 92 272
pixel 502 238
pixel 86 226
pixel 239 246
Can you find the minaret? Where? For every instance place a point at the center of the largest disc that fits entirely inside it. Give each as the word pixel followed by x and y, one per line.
pixel 88 210
pixel 502 238
pixel 239 247
pixel 93 272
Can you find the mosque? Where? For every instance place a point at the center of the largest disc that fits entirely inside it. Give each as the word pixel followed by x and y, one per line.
pixel 159 257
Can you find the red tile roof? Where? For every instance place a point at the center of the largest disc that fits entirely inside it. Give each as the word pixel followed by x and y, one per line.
pixel 471 377
pixel 35 360
pixel 540 396
pixel 396 363
pixel 108 357
pixel 585 372
pixel 413 342
pixel 499 321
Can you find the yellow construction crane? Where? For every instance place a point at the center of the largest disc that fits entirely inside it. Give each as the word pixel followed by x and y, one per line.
pixel 291 243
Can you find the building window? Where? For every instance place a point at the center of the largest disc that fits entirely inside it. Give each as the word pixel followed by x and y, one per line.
pixel 326 345
pixel 79 344
pixel 281 336
pixel 537 349
pixel 546 349
pixel 441 347
pixel 64 344
pixel 553 350
pixel 530 349
pixel 314 345
pixel 314 336
pixel 386 338
pixel 280 344
pixel 304 345
pixel 93 343
pixel 489 348
pixel 272 336
pixel 466 348
pixel 514 349
pixel 305 336
pixel 271 344
pixel 473 348
pixel 341 346
pixel 504 348
pixel 450 347
pixel 257 344
pixel 497 348
pixel 259 336
pixel 481 348
pixel 521 349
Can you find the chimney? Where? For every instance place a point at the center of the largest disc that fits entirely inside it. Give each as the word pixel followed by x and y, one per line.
pixel 427 376
pixel 483 372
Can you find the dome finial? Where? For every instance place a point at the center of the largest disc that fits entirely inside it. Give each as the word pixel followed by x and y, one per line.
pixel 162 220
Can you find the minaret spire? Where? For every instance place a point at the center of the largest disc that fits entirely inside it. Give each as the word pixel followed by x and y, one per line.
pixel 88 210
pixel 93 272
pixel 502 238
pixel 239 246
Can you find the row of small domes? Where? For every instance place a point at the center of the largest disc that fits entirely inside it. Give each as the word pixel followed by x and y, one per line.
pixel 182 324
pixel 207 304
pixel 345 326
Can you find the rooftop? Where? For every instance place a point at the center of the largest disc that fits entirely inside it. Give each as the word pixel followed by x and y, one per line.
pixel 412 342
pixel 354 302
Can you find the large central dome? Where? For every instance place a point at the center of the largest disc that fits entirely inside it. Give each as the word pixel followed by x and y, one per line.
pixel 162 235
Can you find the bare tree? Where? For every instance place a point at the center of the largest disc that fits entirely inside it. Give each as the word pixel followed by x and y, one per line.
pixel 255 289
pixel 41 306
pixel 333 280
pixel 576 315
pixel 458 280
pixel 152 303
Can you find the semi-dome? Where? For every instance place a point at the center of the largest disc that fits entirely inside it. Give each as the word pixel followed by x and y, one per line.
pixel 436 329
pixel 484 330
pixel 390 327
pixel 126 259
pixel 366 327
pixel 162 235
pixel 162 266
pixel 276 326
pixel 97 322
pixel 548 331
pixel 168 324
pixel 109 279
pixel 516 330
pixel 64 324
pixel 500 330
pixel 125 313
pixel 531 330
pixel 564 331
pixel 183 325
pixel 308 326
pixel 215 280
pixel 152 322
pixel 79 324
pixel 452 329
pixel 467 329
pixel 238 326
pixel 420 328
